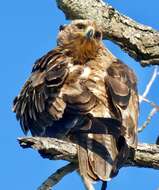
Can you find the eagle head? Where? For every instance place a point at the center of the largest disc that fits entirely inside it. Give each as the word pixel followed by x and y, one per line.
pixel 83 38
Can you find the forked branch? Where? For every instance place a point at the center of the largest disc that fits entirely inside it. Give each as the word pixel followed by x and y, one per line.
pixel 142 98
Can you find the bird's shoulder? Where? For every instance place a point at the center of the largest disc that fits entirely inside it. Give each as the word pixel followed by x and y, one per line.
pixel 121 82
pixel 40 92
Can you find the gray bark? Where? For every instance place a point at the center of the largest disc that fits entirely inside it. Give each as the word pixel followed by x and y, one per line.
pixel 139 41
pixel 146 155
pixel 57 176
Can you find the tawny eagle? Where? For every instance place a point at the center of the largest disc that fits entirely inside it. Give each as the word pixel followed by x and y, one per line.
pixel 82 92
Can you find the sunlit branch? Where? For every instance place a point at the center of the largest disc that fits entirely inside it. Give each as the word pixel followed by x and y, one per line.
pixel 146 155
pixel 143 98
pixel 148 86
pixel 150 102
pixel 139 41
pixel 151 114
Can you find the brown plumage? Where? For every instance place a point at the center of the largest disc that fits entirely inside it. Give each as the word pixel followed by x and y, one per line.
pixel 80 91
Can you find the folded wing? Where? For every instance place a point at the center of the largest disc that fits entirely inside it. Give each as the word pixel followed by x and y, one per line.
pixel 39 103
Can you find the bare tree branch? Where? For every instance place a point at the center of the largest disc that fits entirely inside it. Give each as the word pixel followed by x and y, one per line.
pixel 148 86
pixel 150 102
pixel 143 98
pixel 146 155
pixel 57 176
pixel 151 114
pixel 51 148
pixel 148 120
pixel 139 41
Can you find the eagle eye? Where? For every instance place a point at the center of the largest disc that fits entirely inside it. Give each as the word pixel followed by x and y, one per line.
pixel 80 26
pixel 62 27
pixel 98 34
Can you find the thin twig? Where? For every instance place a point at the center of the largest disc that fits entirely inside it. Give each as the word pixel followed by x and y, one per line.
pixel 151 114
pixel 147 89
pixel 143 98
pixel 150 102
pixel 57 176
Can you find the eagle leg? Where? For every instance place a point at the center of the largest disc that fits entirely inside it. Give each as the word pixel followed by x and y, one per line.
pixel 104 185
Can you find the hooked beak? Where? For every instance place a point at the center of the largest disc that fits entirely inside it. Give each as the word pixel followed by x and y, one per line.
pixel 89 33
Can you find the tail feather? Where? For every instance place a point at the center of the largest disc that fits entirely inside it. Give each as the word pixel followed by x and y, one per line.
pixel 102 162
pixel 98 150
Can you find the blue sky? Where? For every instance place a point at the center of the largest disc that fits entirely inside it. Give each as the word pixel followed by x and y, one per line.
pixel 28 30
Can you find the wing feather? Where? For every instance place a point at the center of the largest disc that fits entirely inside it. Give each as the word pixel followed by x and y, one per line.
pixel 121 84
pixel 39 95
pixel 106 142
